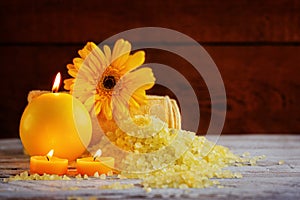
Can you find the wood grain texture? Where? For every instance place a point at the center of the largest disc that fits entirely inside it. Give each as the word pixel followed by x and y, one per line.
pixel 255 44
pixel 262 93
pixel 261 83
pixel 267 180
pixel 71 21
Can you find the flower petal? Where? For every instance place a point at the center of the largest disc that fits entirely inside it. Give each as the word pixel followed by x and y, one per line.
pixel 101 58
pixel 120 53
pixel 87 49
pixel 134 61
pixel 140 96
pixel 133 103
pixel 89 103
pixel 68 83
pixel 120 108
pixel 73 72
pixel 107 109
pixel 98 107
pixel 141 78
pixel 119 62
pixel 70 66
pixel 107 53
pixel 77 62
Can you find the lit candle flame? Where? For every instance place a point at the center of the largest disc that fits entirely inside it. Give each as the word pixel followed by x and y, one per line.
pixel 97 154
pixel 50 154
pixel 56 83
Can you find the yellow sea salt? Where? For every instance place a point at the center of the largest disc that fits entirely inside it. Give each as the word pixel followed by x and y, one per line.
pixel 110 173
pixel 280 162
pixel 85 177
pixel 78 177
pixel 245 154
pixel 102 176
pixel 148 189
pixel 192 161
pixel 66 178
pixel 117 186
pixel 96 174
pixel 120 176
pixel 25 176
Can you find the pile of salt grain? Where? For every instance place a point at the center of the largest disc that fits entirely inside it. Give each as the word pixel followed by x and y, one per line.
pixel 200 160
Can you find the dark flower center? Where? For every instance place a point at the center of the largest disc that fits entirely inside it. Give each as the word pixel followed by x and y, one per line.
pixel 109 82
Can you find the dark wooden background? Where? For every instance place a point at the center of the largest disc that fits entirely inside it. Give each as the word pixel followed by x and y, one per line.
pixel 255 44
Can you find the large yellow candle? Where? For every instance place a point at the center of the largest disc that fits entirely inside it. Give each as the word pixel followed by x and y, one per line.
pixel 48 164
pixel 56 121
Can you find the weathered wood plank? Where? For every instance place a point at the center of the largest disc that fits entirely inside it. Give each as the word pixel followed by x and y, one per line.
pixel 267 180
pixel 209 21
pixel 257 101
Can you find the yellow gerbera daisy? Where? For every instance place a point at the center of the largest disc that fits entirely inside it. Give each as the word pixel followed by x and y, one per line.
pixel 108 81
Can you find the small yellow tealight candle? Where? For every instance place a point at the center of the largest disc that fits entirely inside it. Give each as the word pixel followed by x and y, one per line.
pixel 91 165
pixel 56 121
pixel 48 164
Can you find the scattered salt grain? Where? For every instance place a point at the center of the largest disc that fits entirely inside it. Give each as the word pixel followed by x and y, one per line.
pixel 96 174
pixel 25 176
pixel 85 177
pixel 102 176
pixel 281 162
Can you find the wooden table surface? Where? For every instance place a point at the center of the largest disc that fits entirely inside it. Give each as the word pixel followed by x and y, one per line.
pixel 267 180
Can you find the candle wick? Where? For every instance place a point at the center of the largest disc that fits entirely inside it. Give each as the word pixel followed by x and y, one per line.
pixel 47 158
pixel 95 158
